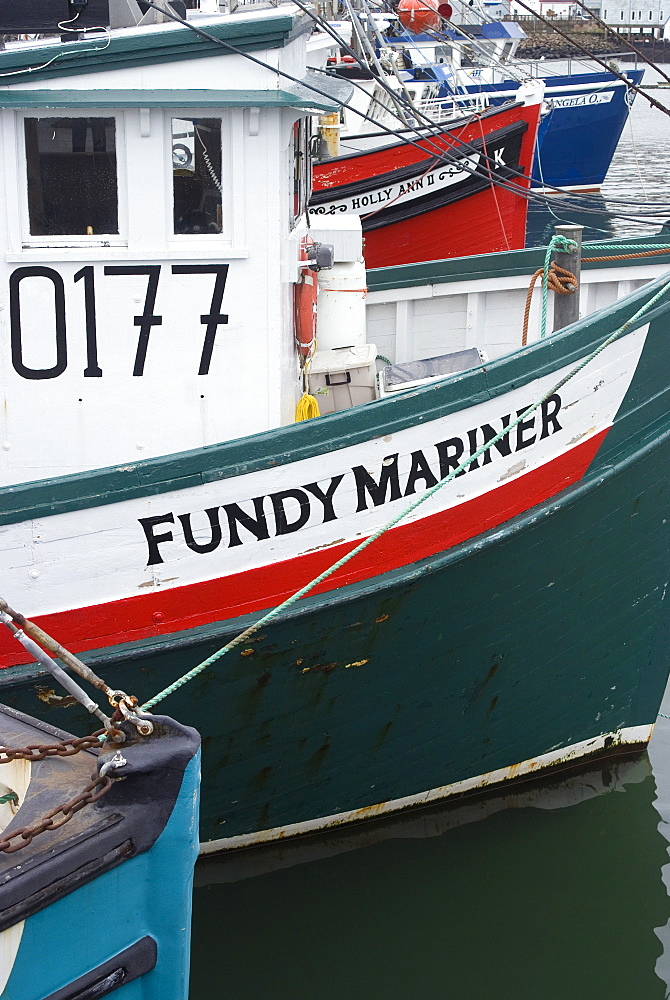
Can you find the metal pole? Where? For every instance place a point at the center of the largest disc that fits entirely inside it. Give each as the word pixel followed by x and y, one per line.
pixel 566 307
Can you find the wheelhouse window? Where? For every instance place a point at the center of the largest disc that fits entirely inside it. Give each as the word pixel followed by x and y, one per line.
pixel 72 182
pixel 196 175
pixel 302 174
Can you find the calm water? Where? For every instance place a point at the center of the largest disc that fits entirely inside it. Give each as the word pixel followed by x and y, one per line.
pixel 638 173
pixel 552 892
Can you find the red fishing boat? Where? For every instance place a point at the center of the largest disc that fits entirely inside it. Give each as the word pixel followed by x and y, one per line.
pixel 446 191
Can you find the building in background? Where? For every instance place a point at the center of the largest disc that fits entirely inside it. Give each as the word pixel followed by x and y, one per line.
pixel 648 18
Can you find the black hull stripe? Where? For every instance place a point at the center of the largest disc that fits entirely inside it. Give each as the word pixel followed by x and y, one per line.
pixel 123 968
pixel 419 206
pixel 405 174
pixel 428 132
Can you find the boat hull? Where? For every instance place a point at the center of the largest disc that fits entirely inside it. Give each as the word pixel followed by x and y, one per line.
pixel 136 841
pixel 577 139
pixel 412 208
pixel 526 632
pixel 526 650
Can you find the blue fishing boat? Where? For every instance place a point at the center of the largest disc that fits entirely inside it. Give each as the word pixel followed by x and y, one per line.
pixel 98 840
pixel 586 112
pixel 578 136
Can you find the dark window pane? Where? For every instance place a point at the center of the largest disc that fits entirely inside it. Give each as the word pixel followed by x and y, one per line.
pixel 72 176
pixel 196 172
pixel 302 177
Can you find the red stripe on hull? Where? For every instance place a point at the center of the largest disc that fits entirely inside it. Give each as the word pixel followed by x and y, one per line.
pixel 351 168
pixel 132 618
pixel 483 222
pixel 491 220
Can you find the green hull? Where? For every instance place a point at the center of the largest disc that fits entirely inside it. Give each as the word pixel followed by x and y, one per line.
pixel 539 641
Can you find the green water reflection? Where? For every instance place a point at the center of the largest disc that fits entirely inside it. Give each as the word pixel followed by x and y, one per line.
pixel 528 902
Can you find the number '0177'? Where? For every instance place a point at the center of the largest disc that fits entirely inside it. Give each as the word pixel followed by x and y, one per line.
pixel 145 321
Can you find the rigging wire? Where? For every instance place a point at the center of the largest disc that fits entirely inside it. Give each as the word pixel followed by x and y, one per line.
pixel 623 39
pixel 583 202
pixel 431 129
pixel 592 55
pixel 577 196
pixel 430 126
pixel 427 132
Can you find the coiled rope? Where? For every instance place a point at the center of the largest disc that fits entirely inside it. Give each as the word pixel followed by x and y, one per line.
pixel 562 245
pixel 557 279
pixel 303 591
pixel 307 408
pixel 308 405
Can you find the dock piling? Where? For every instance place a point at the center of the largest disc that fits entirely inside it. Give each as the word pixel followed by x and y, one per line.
pixel 566 307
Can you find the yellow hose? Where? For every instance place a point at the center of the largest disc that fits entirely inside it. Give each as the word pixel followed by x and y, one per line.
pixel 307 408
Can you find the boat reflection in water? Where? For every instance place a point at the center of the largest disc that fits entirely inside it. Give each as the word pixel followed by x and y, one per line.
pixel 659 753
pixel 538 901
pixel 598 222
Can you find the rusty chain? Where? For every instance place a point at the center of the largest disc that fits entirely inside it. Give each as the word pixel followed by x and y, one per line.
pixel 25 834
pixel 36 751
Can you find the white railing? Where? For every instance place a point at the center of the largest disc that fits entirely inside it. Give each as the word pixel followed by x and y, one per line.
pixel 440 109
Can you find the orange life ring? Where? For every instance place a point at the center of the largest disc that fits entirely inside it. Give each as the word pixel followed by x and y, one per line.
pixel 306 290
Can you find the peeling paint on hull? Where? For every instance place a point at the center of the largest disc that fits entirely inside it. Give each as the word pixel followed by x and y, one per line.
pixel 635 737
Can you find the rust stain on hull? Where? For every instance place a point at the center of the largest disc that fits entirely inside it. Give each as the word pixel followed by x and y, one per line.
pixel 630 740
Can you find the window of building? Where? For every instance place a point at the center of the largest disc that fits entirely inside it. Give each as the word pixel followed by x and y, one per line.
pixel 604 15
pixel 72 183
pixel 621 15
pixel 196 175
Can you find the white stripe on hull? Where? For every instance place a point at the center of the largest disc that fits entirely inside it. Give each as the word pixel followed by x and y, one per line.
pixel 430 182
pixel 107 548
pixel 632 736
pixel 566 187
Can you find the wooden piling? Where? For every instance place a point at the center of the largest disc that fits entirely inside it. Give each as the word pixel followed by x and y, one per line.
pixel 566 307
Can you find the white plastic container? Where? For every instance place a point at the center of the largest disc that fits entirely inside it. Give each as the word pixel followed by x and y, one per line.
pixel 341 307
pixel 343 378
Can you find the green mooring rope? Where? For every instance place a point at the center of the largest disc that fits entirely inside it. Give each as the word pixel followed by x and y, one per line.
pixel 626 246
pixel 564 245
pixel 247 633
pixel 9 797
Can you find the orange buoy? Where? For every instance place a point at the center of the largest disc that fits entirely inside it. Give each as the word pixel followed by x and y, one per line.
pixel 419 15
pixel 306 290
pixel 422 15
